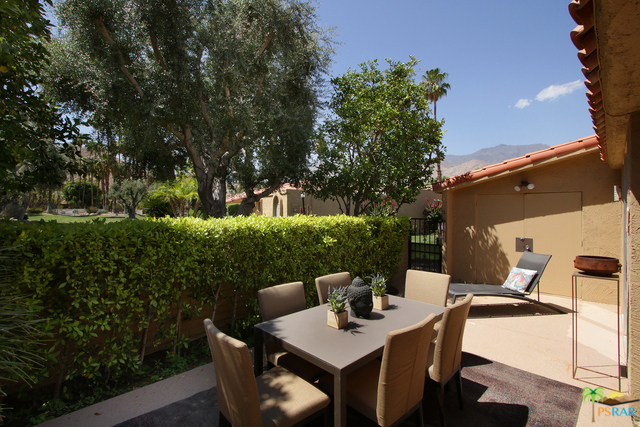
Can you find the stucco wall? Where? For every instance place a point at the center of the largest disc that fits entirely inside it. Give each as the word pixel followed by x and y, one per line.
pixel 632 270
pixel 292 203
pixel 571 211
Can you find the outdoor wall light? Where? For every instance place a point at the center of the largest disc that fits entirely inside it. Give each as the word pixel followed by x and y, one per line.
pixel 527 184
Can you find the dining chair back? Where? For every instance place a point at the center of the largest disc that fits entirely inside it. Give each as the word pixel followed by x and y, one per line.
pixel 333 281
pixel 400 387
pixel 277 301
pixel 390 390
pixel 281 300
pixel 425 286
pixel 445 357
pixel 238 397
pixel 275 398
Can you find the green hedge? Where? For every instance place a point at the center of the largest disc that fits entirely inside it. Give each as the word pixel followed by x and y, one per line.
pixel 101 285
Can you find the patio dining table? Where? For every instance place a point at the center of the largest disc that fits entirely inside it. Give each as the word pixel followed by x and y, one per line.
pixel 339 351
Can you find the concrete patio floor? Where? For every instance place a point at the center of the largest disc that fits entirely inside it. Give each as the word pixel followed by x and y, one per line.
pixel 531 338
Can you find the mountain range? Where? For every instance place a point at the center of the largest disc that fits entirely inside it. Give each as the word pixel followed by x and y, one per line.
pixel 455 165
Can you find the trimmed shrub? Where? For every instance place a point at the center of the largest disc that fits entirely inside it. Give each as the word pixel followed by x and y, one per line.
pixel 108 290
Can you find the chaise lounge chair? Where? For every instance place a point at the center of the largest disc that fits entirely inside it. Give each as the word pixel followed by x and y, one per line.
pixel 528 260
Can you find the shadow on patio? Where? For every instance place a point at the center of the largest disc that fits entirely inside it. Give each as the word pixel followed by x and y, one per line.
pixel 526 336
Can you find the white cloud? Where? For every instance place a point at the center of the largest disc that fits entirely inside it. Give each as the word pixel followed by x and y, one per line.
pixel 523 103
pixel 553 92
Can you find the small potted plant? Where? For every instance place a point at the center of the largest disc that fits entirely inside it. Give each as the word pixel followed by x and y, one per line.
pixel 379 288
pixel 337 316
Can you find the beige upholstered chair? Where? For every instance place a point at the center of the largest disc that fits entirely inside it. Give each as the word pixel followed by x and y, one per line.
pixel 337 280
pixel 275 398
pixel 389 391
pixel 425 286
pixel 444 358
pixel 281 300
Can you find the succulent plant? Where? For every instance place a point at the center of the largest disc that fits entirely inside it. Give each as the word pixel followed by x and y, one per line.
pixel 338 299
pixel 378 284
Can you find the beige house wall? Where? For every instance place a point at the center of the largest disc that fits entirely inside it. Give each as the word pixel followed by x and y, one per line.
pixel 571 211
pixel 291 202
pixel 632 246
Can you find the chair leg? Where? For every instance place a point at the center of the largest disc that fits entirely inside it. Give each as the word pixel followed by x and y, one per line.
pixel 443 421
pixel 223 421
pixel 420 417
pixel 328 416
pixel 459 384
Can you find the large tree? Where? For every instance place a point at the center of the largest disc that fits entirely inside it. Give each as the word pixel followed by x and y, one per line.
pixel 209 77
pixel 380 141
pixel 434 81
pixel 33 134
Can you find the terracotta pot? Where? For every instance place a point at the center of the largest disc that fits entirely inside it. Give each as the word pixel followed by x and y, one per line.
pixel 381 303
pixel 597 265
pixel 339 320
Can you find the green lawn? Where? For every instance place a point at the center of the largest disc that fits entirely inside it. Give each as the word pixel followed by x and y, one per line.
pixel 428 239
pixel 425 248
pixel 64 219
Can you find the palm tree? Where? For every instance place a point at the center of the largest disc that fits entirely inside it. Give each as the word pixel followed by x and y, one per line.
pixel 436 86
pixel 594 395
pixel 180 194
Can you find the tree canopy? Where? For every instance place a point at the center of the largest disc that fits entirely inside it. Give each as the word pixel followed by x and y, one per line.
pixel 380 141
pixel 211 80
pixel 130 193
pixel 33 134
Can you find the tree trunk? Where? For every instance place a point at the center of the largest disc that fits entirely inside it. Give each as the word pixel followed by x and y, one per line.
pixel 248 204
pixel 233 312
pixel 196 207
pixel 145 335
pixel 49 210
pixel 213 195
pixel 178 326
pixel 216 299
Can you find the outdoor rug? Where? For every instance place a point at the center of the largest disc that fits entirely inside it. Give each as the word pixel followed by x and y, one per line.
pixel 494 395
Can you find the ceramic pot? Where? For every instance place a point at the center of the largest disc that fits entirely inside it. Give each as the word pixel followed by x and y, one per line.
pixel 339 320
pixel 597 265
pixel 381 303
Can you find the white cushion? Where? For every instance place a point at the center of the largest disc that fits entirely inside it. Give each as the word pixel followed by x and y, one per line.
pixel 519 279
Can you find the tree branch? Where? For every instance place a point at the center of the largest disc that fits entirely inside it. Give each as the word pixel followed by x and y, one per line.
pixel 156 50
pixel 266 43
pixel 102 30
pixel 205 114
pixel 227 93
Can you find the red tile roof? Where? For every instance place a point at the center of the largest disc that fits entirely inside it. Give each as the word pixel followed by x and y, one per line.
pixel 518 162
pixel 584 38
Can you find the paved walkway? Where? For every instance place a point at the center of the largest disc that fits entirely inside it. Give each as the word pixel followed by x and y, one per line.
pixel 525 337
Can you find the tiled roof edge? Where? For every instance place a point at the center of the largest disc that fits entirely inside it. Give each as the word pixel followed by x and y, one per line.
pixel 585 40
pixel 518 162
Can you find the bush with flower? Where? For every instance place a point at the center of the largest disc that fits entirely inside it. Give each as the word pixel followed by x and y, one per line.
pixel 387 207
pixel 433 210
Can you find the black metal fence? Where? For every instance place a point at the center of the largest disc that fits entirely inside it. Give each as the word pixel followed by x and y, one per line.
pixel 425 245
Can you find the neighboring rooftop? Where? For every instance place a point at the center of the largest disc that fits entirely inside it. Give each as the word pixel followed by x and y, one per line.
pixel 237 198
pixel 517 163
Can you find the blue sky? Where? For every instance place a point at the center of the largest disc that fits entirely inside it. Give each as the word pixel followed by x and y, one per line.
pixel 514 73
